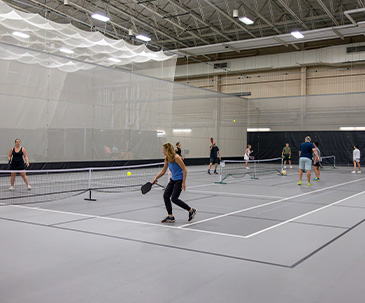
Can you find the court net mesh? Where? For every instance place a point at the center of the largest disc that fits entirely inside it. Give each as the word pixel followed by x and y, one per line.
pixel 48 185
pixel 253 169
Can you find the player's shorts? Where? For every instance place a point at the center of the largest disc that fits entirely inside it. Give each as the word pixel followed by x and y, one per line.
pixel 317 164
pixel 215 160
pixel 357 160
pixel 286 157
pixel 305 163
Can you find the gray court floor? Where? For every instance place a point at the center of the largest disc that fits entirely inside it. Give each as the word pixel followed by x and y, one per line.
pixel 265 240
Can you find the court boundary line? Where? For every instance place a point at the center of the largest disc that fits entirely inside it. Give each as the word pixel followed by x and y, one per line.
pixel 303 215
pixel 210 253
pixel 269 203
pixel 185 226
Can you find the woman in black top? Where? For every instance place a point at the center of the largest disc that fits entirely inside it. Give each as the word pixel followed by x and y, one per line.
pixel 18 155
pixel 178 150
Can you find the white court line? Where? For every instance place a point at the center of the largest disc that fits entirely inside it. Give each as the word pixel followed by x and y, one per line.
pixel 217 193
pixel 306 214
pixel 161 225
pixel 269 203
pixel 169 226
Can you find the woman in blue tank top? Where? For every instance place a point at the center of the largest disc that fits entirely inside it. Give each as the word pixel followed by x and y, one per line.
pixel 17 156
pixel 176 184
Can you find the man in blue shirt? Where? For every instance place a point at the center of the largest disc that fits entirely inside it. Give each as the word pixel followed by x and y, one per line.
pixel 305 159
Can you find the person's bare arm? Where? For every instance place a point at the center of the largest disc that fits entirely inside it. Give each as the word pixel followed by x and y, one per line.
pixel 161 173
pixel 10 154
pixel 25 157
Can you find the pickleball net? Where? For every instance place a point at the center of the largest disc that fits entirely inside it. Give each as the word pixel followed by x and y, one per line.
pixel 256 168
pixel 49 185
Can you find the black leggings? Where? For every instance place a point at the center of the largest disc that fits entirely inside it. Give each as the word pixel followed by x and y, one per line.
pixel 173 191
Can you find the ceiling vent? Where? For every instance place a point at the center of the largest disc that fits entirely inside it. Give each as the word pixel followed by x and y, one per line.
pixel 222 65
pixel 355 49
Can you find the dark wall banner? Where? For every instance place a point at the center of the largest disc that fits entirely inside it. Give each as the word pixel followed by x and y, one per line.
pixel 338 143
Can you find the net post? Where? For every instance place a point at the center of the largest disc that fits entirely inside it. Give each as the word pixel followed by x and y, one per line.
pixel 334 162
pixel 89 199
pixel 220 176
pixel 254 170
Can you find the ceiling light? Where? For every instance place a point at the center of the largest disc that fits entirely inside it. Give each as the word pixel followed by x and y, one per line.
pixel 235 13
pixel 114 60
pixel 297 35
pixel 66 2
pixel 100 17
pixel 182 130
pixel 246 20
pixel 143 38
pixel 263 129
pixel 352 128
pixel 66 51
pixel 21 35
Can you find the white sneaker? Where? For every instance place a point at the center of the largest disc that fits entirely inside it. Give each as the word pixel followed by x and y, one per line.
pixel 353 172
pixel 284 166
pixel 359 172
pixel 29 187
pixel 11 188
pixel 247 167
pixel 291 166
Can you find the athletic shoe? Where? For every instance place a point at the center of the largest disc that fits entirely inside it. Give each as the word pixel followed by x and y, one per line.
pixel 216 172
pixel 284 166
pixel 11 188
pixel 192 214
pixel 168 219
pixel 29 187
pixel 359 172
pixel 353 172
pixel 247 167
pixel 299 183
pixel 316 179
pixel 209 172
pixel 291 166
pixel 309 184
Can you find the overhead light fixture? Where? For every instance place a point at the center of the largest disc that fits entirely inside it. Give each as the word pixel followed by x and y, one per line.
pixel 66 2
pixel 246 20
pixel 143 38
pixel 182 130
pixel 263 129
pixel 352 128
pixel 235 13
pixel 130 32
pixel 100 17
pixel 161 133
pixel 21 35
pixel 114 60
pixel 66 51
pixel 297 34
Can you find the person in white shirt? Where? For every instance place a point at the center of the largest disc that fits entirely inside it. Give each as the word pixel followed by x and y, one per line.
pixel 247 156
pixel 356 159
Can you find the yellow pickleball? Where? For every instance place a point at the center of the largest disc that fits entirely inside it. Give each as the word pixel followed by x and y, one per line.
pixel 129 173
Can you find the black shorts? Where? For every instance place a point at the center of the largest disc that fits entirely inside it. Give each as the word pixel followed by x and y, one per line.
pixel 286 157
pixel 215 161
pixel 317 164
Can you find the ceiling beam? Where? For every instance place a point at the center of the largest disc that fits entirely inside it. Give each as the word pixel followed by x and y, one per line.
pixel 198 18
pixel 238 23
pixel 259 15
pixel 291 12
pixel 328 12
pixel 168 19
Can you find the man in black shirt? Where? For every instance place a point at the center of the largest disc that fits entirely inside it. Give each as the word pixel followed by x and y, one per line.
pixel 214 159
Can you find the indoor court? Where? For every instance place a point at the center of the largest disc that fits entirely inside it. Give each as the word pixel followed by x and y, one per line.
pixel 109 109
pixel 267 238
